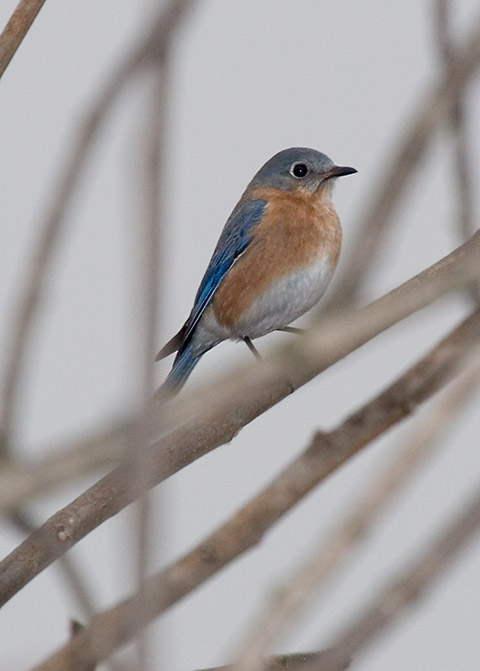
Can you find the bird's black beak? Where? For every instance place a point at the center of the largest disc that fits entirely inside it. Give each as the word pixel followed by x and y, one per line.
pixel 341 171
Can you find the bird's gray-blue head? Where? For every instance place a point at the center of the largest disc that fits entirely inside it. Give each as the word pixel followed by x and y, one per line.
pixel 298 167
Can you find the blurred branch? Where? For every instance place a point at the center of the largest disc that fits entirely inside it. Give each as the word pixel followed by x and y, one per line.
pixel 229 406
pixel 151 51
pixel 75 628
pixel 148 268
pixel 409 586
pixel 327 451
pixel 399 170
pixel 462 160
pixel 458 126
pixel 20 481
pixel 294 596
pixel 441 22
pixel 17 27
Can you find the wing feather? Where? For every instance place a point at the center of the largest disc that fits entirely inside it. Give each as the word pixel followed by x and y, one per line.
pixel 233 240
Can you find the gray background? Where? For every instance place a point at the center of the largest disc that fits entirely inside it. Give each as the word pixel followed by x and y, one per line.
pixel 250 78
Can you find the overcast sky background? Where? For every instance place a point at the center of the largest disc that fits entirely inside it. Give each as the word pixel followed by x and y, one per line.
pixel 250 78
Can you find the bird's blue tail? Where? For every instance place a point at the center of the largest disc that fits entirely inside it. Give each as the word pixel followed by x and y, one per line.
pixel 183 365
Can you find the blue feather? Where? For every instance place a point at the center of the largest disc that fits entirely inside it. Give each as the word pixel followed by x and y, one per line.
pixel 233 241
pixel 183 365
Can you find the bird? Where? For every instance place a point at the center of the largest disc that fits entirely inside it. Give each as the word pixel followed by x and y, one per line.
pixel 272 263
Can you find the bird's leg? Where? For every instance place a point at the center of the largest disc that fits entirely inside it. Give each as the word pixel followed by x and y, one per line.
pixel 251 347
pixel 292 329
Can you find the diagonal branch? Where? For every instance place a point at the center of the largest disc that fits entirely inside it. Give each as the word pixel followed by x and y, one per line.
pixel 294 596
pixel 408 586
pixel 228 408
pixel 112 628
pixel 17 27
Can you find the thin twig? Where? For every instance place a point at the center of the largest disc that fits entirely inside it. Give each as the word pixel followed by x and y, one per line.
pixel 228 407
pixel 153 49
pixel 409 586
pixel 400 169
pixel 327 560
pixel 17 27
pixel 110 629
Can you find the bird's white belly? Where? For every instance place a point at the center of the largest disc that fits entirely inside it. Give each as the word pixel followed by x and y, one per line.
pixel 279 305
pixel 285 300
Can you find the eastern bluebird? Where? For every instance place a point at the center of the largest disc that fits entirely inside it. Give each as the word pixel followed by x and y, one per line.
pixel 272 263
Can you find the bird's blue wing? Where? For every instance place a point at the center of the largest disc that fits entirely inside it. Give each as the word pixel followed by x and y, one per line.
pixel 233 241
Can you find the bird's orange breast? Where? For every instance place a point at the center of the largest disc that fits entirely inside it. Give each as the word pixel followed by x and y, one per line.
pixel 296 230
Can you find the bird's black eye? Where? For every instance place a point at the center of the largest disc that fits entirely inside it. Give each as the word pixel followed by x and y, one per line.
pixel 298 170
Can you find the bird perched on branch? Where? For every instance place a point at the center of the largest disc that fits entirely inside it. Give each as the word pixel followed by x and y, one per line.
pixel 272 263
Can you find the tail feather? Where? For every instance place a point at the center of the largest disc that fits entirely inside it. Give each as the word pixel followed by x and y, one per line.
pixel 183 365
pixel 172 345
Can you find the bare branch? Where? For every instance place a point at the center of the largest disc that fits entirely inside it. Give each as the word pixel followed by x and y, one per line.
pixel 292 598
pixel 116 626
pixel 400 169
pixel 462 159
pixel 17 27
pixel 228 407
pixel 409 586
